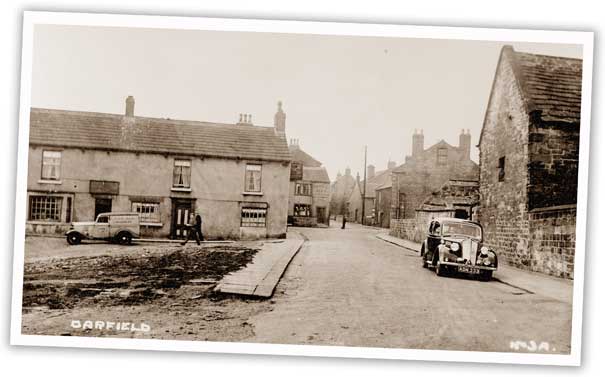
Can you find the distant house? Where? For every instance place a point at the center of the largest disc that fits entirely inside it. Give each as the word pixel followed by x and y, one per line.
pixel 423 173
pixel 529 161
pixel 374 179
pixel 426 170
pixel 340 192
pixel 309 195
pixel 81 164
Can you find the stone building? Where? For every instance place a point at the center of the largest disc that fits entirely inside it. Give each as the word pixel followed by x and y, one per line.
pixel 309 196
pixel 529 161
pixel 82 163
pixel 374 179
pixel 426 170
pixel 456 199
pixel 340 192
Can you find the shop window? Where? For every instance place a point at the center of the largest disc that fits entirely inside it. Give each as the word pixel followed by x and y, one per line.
pixel 148 212
pixel 45 208
pixel 254 217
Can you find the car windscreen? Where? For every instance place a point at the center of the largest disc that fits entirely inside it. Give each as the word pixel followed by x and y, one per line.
pixel 461 229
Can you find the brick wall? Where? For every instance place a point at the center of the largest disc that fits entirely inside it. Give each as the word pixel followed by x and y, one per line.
pixel 553 240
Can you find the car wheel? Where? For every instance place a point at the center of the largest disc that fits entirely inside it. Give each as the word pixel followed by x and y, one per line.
pixel 124 238
pixel 440 269
pixel 486 275
pixel 74 239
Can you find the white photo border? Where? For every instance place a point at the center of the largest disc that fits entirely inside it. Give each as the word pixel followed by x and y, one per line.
pixel 31 19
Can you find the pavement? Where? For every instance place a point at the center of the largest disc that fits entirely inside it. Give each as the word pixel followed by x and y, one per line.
pixel 349 288
pixel 259 278
pixel 532 282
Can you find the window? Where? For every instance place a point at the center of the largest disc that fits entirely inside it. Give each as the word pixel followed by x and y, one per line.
pixel 45 208
pixel 254 217
pixel 253 178
pixel 303 189
pixel 501 168
pixel 103 219
pixel 181 177
pixel 442 156
pixel 302 210
pixel 51 165
pixel 148 212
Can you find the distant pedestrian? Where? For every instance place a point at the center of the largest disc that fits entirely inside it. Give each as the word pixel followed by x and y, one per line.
pixel 194 229
pixel 344 221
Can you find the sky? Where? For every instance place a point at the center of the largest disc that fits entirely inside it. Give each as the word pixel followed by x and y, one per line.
pixel 340 93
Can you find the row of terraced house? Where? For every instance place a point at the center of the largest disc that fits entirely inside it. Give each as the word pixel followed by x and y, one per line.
pixel 524 189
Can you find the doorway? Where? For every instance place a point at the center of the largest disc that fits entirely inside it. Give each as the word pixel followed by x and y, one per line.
pixel 102 205
pixel 321 215
pixel 181 209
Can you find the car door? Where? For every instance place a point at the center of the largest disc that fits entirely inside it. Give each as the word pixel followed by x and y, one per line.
pixel 101 227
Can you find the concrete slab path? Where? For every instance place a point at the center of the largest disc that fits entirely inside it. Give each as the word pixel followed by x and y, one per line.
pixel 260 277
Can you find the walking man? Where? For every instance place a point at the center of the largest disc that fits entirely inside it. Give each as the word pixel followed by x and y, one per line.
pixel 194 227
pixel 344 221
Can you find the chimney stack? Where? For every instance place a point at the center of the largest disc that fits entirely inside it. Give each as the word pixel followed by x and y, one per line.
pixel 279 121
pixel 348 171
pixel 371 171
pixel 465 144
pixel 391 165
pixel 129 106
pixel 417 143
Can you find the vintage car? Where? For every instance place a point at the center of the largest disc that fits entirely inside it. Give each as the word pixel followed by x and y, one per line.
pixel 456 245
pixel 119 227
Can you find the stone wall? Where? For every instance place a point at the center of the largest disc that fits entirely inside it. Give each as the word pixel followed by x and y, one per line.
pixel 553 240
pixel 407 229
pixel 553 167
pixel 503 209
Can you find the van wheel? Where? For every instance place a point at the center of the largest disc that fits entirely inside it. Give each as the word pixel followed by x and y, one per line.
pixel 124 238
pixel 74 238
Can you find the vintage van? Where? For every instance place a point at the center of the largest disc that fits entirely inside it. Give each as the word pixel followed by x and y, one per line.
pixel 119 227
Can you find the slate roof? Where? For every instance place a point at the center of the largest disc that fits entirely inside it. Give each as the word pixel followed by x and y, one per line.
pixel 550 84
pixel 380 178
pixel 90 130
pixel 315 174
pixel 303 157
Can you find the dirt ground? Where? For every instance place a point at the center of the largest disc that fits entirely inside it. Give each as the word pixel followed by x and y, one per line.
pixel 165 288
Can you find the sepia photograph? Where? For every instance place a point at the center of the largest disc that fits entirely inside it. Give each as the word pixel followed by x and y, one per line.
pixel 252 186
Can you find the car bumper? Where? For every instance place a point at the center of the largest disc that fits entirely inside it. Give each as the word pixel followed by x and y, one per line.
pixel 465 266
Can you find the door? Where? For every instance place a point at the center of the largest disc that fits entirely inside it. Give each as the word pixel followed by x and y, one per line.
pixel 102 205
pixel 321 215
pixel 101 228
pixel 181 209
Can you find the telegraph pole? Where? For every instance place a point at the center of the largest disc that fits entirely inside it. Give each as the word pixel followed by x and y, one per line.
pixel 365 179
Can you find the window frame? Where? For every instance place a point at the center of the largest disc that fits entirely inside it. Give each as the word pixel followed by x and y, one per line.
pixel 502 168
pixel 57 207
pixel 248 168
pixel 181 162
pixel 43 164
pixel 308 210
pixel 135 205
pixel 442 157
pixel 253 221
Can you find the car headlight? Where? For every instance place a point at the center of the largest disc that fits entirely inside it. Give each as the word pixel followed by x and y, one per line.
pixel 484 251
pixel 455 247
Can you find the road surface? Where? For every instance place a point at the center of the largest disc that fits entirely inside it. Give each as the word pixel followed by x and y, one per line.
pixel 346 287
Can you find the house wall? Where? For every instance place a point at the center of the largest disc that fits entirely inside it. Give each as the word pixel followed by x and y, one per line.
pixel 217 187
pixel 320 198
pixel 423 175
pixel 503 210
pixel 553 165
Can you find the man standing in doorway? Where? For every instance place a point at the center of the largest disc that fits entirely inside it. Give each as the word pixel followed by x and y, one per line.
pixel 194 227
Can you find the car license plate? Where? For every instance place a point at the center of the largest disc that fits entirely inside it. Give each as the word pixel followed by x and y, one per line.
pixel 468 269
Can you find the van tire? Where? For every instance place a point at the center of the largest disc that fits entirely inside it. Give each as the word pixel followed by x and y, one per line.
pixel 124 238
pixel 74 238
